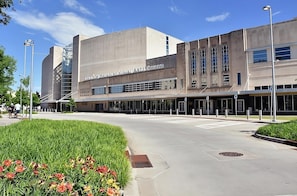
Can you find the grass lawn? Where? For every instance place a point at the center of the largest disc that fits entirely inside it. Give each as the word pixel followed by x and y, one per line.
pixel 286 130
pixel 79 149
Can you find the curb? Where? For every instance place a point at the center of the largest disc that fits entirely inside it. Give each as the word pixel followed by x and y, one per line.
pixel 277 140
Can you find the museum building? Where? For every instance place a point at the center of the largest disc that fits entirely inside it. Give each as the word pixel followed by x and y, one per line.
pixel 146 71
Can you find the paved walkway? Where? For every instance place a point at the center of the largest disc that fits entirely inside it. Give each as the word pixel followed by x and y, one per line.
pixel 5 120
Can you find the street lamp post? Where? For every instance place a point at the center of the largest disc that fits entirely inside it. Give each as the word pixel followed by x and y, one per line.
pixel 30 42
pixel 268 8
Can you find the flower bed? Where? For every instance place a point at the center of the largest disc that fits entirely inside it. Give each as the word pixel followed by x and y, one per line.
pixel 43 157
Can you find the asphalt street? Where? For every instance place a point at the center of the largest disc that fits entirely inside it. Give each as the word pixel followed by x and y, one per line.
pixel 188 155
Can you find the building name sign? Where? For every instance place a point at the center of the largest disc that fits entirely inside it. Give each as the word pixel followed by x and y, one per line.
pixel 135 70
pixel 153 67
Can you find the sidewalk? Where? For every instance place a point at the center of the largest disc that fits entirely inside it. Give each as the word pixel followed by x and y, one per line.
pixel 5 120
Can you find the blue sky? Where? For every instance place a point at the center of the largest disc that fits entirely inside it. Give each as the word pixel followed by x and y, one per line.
pixel 55 22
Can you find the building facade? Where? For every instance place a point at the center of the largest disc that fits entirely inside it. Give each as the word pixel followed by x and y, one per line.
pixel 146 71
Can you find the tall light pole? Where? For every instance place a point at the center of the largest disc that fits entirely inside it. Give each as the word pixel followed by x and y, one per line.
pixel 30 42
pixel 268 8
pixel 24 73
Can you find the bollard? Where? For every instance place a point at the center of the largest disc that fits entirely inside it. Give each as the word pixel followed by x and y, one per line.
pixel 177 112
pixel 260 114
pixel 200 112
pixel 149 111
pixel 226 113
pixel 248 114
pixel 170 112
pixel 217 112
pixel 193 112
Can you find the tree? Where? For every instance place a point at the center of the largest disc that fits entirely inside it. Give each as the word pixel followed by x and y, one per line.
pixel 4 5
pixel 7 69
pixel 71 104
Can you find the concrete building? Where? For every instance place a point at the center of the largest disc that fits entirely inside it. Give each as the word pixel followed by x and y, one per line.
pixel 145 71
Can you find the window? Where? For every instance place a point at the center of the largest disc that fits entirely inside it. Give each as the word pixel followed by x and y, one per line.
pixel 167 45
pixel 194 82
pixel 116 89
pixel 214 60
pixel 283 53
pixel 238 78
pixel 193 63
pixel 260 56
pixel 225 58
pixel 99 90
pixel 203 61
pixel 226 79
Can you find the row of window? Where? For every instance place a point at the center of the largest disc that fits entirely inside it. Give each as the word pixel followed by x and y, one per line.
pixel 282 53
pixel 285 86
pixel 134 87
pixel 214 60
pixel 226 81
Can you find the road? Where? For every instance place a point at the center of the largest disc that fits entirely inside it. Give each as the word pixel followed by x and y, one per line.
pixel 186 159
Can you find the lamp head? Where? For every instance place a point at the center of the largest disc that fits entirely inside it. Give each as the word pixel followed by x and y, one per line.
pixel 28 42
pixel 267 7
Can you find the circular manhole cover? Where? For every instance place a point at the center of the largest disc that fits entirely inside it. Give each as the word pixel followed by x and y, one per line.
pixel 231 154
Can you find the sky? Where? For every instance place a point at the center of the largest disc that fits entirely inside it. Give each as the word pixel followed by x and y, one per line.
pixel 55 22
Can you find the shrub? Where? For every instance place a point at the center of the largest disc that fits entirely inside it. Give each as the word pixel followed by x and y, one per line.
pixel 54 143
pixel 287 130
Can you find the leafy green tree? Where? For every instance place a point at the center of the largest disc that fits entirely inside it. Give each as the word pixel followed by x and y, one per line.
pixel 7 69
pixel 4 5
pixel 71 104
pixel 35 99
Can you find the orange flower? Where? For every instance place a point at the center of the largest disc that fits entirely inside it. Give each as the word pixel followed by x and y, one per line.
pixel 69 186
pixel 36 172
pixel 102 169
pixel 59 176
pixel 1 169
pixel 7 162
pixel 19 168
pixel 61 188
pixel 44 166
pixel 110 192
pixel 89 194
pixel 9 175
pixel 113 173
pixel 19 162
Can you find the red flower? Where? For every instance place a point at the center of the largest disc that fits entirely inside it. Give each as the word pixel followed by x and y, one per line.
pixel 59 176
pixel 1 169
pixel 69 186
pixel 9 175
pixel 113 173
pixel 44 166
pixel 19 162
pixel 19 168
pixel 36 172
pixel 102 169
pixel 61 188
pixel 7 162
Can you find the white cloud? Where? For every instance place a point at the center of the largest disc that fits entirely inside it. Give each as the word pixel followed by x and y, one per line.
pixel 61 27
pixel 276 13
pixel 73 4
pixel 220 17
pixel 175 9
pixel 100 3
